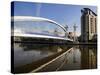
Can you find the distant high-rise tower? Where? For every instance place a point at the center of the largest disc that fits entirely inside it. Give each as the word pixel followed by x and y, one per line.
pixel 88 24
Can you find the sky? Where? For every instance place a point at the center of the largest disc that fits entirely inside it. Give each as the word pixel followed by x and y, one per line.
pixel 61 13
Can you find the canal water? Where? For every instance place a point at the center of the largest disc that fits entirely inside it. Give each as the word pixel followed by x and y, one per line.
pixel 79 57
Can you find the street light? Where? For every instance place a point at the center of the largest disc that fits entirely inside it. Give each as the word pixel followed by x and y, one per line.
pixel 66 27
pixel 74 32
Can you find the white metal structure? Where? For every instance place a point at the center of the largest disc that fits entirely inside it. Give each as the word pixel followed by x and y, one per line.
pixel 37 19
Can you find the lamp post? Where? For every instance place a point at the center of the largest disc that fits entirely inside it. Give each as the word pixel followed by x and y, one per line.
pixel 74 27
pixel 66 27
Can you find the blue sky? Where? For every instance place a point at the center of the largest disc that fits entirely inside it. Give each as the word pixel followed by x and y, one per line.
pixel 61 13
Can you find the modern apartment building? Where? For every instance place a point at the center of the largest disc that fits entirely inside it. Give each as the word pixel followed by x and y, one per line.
pixel 88 24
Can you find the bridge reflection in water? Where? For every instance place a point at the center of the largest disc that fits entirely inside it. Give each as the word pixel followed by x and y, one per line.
pixel 29 58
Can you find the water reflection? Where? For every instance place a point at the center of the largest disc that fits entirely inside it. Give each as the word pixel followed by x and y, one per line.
pixel 74 55
pixel 79 57
pixel 89 57
pixel 27 53
pixel 73 59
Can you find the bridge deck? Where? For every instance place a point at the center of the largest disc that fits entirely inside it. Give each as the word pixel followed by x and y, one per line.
pixel 41 36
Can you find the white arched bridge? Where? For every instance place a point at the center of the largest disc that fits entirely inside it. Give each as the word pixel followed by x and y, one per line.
pixel 37 35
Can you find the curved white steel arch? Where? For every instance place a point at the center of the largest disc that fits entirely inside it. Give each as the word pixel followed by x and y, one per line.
pixel 30 18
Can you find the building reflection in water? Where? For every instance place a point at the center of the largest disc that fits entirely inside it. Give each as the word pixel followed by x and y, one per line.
pixel 81 57
pixel 89 57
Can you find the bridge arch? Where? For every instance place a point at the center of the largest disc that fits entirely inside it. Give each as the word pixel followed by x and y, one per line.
pixel 30 18
pixel 37 19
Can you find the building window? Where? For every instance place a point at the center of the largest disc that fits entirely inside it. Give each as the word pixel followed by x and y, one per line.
pixel 91 22
pixel 95 26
